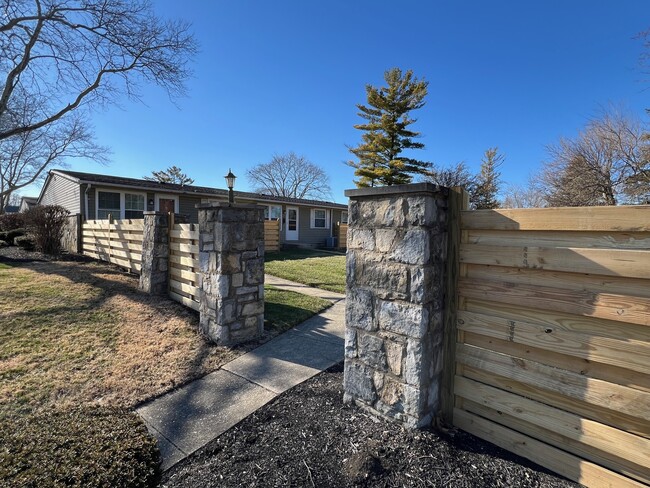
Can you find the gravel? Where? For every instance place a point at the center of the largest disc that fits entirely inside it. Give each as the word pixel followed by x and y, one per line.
pixel 308 437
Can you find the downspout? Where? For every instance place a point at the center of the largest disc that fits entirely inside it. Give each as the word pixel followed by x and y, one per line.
pixel 88 185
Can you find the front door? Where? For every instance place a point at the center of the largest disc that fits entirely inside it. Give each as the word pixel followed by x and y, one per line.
pixel 292 224
pixel 167 205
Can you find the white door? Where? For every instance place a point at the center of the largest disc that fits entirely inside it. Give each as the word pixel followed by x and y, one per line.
pixel 292 224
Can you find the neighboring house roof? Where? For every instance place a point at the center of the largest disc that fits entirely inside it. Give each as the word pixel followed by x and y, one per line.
pixel 29 200
pixel 119 181
pixel 11 209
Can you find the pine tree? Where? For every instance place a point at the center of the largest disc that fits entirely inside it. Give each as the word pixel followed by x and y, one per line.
pixel 173 174
pixel 487 181
pixel 386 133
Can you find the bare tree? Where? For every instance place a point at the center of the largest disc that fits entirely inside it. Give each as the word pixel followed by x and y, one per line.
pixel 61 57
pixel 518 196
pixel 606 164
pixel 458 175
pixel 290 175
pixel 173 174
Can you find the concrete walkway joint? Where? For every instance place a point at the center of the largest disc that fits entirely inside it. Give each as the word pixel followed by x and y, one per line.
pixel 186 419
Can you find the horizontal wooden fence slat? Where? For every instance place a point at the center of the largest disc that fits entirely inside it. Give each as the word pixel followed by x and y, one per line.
pixel 610 219
pixel 562 320
pixel 562 462
pixel 184 234
pixel 532 238
pixel 188 302
pixel 617 285
pixel 596 412
pixel 608 262
pixel 271 235
pixel 183 247
pixel 622 353
pixel 597 442
pixel 608 306
pixel 567 383
pixel 191 276
pixel 184 287
pixel 186 261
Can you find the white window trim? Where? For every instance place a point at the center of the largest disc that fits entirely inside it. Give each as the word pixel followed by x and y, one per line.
pixel 269 210
pixel 313 218
pixel 177 207
pixel 122 201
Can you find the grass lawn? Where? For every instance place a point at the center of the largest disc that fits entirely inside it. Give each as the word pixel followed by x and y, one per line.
pixel 80 333
pixel 314 268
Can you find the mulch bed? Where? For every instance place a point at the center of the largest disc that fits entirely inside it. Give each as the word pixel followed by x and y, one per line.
pixel 308 437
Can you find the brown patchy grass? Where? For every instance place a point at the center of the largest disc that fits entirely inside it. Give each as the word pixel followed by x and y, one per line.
pixel 74 333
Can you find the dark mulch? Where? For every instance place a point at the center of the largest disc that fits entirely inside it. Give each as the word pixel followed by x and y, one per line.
pixel 307 437
pixel 18 255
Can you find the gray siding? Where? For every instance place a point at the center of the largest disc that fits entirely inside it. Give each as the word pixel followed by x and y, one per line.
pixel 62 191
pixel 91 204
pixel 187 206
pixel 308 235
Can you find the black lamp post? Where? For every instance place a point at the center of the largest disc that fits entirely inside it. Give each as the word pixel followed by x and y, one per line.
pixel 230 181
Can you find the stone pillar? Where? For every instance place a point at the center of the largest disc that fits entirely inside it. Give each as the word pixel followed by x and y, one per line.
pixel 154 275
pixel 71 240
pixel 397 246
pixel 231 262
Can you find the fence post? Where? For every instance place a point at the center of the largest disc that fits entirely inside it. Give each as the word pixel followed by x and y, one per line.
pixel 154 277
pixel 397 249
pixel 231 276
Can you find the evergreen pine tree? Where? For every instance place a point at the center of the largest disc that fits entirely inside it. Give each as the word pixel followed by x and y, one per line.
pixel 487 181
pixel 386 133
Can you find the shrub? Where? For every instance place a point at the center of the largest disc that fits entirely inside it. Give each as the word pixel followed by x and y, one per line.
pixel 25 242
pixel 80 447
pixel 46 224
pixel 12 221
pixel 10 235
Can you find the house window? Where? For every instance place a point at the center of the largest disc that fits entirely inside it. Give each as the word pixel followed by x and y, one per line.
pixel 108 203
pixel 344 217
pixel 133 206
pixel 272 212
pixel 319 219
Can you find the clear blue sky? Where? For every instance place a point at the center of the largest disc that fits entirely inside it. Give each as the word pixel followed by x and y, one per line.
pixel 282 76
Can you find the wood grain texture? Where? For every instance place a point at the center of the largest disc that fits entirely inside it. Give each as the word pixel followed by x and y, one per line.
pixel 610 219
pixel 568 465
pixel 533 238
pixel 606 262
pixel 609 306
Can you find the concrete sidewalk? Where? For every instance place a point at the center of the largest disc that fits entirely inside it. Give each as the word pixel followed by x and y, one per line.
pixel 186 419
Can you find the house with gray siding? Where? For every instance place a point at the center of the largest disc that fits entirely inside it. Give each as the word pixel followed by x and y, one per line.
pixel 95 197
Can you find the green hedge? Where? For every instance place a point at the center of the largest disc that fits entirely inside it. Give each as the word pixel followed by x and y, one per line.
pixel 97 447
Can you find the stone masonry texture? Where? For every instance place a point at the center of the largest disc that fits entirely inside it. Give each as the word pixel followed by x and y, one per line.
pixel 154 274
pixel 397 246
pixel 231 263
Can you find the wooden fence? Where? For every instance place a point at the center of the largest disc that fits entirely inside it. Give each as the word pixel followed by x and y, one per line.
pixel 116 241
pixel 271 235
pixel 184 264
pixel 553 338
pixel 342 235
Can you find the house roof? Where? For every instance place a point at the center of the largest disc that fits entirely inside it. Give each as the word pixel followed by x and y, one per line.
pixel 30 200
pixel 185 189
pixel 12 209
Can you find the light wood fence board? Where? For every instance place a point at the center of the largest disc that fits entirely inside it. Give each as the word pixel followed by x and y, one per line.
pixel 609 219
pixel 629 354
pixel 184 264
pixel 618 285
pixel 598 413
pixel 272 235
pixel 594 441
pixel 621 308
pixel 607 262
pixel 119 242
pixel 568 465
pixel 531 238
pixel 188 302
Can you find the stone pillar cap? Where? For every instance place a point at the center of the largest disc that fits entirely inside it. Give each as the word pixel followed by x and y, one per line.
pixel 397 189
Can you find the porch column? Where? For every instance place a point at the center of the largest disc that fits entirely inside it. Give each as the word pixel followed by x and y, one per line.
pixel 231 261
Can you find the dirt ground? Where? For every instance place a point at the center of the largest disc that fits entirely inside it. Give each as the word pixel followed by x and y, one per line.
pixel 308 437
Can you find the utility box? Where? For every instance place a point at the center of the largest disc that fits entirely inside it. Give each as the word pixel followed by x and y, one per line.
pixel 330 242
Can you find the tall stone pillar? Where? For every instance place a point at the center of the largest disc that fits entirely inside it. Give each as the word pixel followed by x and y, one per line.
pixel 154 275
pixel 231 261
pixel 397 246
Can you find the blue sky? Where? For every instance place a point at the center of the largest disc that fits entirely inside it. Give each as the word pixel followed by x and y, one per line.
pixel 274 77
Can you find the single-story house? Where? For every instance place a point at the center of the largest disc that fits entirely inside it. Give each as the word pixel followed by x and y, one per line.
pixel 26 203
pixel 95 196
pixel 11 209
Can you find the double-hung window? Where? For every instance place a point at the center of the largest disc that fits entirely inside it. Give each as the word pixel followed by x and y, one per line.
pixel 272 212
pixel 108 202
pixel 320 218
pixel 120 205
